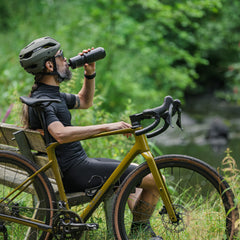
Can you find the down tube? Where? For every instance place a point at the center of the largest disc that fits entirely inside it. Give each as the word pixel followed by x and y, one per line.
pixel 110 182
pixel 160 185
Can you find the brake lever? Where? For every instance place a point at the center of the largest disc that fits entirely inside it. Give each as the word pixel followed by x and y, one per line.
pixel 178 110
pixel 179 119
pixel 169 117
pixel 165 111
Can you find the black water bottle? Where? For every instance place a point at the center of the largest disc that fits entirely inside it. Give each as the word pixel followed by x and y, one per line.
pixel 89 57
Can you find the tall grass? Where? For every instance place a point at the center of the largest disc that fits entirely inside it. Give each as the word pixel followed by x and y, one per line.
pixel 231 173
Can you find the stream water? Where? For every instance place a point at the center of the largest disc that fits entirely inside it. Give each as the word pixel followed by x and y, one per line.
pixel 198 117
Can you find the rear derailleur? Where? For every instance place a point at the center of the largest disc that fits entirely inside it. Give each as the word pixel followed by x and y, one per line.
pixel 68 225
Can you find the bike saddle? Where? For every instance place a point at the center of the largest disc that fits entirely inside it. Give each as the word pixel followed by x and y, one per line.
pixel 37 102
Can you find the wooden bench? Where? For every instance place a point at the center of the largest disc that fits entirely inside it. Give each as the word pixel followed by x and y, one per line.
pixel 31 144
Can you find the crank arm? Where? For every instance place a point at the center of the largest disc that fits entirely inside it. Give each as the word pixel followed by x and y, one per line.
pixel 76 227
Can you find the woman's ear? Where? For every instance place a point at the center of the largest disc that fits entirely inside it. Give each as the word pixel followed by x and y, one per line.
pixel 49 66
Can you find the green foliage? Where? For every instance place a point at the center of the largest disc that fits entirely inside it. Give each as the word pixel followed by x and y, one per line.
pixel 153 48
pixel 219 43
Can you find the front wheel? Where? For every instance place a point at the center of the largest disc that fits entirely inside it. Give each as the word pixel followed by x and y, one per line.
pixel 203 201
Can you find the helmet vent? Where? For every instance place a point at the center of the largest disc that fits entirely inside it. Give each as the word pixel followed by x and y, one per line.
pixel 48 45
pixel 27 55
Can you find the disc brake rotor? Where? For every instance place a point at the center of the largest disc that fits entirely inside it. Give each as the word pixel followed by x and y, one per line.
pixel 182 216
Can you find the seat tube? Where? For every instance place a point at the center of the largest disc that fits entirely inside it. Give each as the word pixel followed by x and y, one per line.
pixel 52 156
pixel 159 180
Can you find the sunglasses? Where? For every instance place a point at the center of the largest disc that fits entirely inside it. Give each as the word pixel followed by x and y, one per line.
pixel 60 54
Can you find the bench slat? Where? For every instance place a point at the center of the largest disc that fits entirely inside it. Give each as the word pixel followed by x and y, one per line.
pixel 2 138
pixel 7 136
pixel 35 139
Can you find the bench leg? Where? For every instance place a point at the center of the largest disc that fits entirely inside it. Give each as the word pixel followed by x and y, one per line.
pixel 32 233
pixel 108 208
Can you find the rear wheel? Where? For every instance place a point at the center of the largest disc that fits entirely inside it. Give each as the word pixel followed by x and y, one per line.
pixel 203 202
pixel 36 201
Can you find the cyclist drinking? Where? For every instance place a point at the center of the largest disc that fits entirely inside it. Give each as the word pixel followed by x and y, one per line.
pixel 44 59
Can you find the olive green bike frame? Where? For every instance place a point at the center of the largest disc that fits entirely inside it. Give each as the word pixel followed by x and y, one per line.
pixel 140 147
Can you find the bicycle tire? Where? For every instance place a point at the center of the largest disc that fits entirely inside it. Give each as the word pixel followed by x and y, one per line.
pixel 202 199
pixel 36 201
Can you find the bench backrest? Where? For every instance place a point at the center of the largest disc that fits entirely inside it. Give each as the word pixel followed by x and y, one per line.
pixel 8 137
pixel 28 142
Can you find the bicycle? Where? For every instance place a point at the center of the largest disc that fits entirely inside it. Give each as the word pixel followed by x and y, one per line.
pixel 192 193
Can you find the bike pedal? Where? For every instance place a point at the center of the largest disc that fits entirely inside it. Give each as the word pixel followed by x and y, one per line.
pixel 92 226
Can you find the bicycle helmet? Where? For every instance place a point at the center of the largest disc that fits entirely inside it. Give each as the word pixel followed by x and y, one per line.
pixel 34 55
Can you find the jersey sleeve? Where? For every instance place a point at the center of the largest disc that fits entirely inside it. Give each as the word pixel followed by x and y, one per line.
pixel 50 114
pixel 70 99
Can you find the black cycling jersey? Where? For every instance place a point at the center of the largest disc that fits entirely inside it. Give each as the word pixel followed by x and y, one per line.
pixel 68 153
pixel 79 171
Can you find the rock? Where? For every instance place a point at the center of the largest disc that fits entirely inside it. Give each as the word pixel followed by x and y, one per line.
pixel 217 134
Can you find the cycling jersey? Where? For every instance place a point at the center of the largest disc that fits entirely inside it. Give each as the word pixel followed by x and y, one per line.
pixel 66 153
pixel 79 171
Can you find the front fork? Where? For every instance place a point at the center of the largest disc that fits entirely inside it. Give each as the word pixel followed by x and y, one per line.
pixel 159 180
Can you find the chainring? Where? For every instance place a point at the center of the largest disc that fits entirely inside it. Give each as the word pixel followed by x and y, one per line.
pixel 62 226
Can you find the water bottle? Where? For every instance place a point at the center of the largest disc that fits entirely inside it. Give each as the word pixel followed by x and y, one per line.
pixel 89 57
